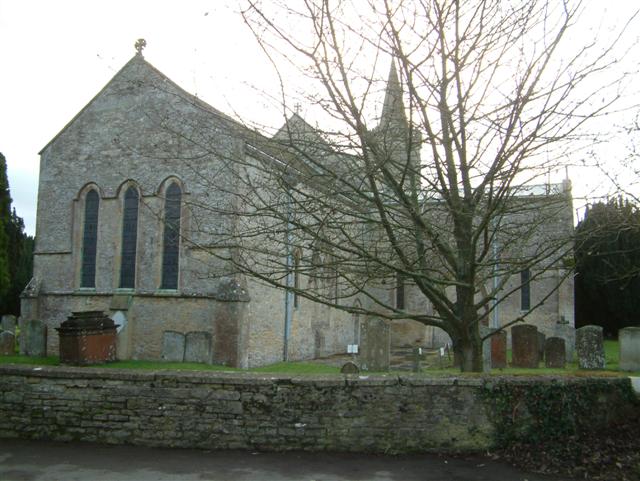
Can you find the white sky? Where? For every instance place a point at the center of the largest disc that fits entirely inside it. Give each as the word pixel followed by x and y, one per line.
pixel 56 55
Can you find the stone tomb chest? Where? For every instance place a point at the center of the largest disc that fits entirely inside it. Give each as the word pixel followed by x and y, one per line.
pixel 87 338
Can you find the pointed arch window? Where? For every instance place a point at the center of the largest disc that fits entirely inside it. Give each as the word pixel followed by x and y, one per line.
pixel 171 245
pixel 129 239
pixel 90 240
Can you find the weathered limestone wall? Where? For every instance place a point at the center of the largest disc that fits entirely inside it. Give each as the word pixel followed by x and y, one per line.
pixel 250 411
pixel 315 330
pixel 148 316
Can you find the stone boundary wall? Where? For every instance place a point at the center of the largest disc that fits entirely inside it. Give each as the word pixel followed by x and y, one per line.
pixel 215 410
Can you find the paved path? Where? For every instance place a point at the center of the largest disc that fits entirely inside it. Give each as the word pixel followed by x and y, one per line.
pixel 50 461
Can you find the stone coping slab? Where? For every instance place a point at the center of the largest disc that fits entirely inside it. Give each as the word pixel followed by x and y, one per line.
pixel 320 380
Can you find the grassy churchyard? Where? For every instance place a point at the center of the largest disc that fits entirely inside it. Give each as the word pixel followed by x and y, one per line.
pixel 432 365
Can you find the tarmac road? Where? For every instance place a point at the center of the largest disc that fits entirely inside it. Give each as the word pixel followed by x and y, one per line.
pixel 53 461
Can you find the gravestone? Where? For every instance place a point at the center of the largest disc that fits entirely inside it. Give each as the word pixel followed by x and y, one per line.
pixel 375 339
pixel 415 358
pixel 173 343
pixel 541 344
pixel 123 335
pixel 524 346
pixel 35 338
pixel 197 347
pixel 21 338
pixel 350 368
pixel 590 347
pixel 486 348
pixel 9 323
pixel 319 344
pixel 568 333
pixel 629 338
pixel 555 355
pixel 7 343
pixel 499 350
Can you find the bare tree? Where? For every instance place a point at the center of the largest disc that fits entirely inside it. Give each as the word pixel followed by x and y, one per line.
pixel 426 182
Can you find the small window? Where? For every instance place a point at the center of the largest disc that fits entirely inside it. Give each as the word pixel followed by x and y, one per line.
pixel 171 238
pixel 129 239
pixel 525 290
pixel 399 291
pixel 296 280
pixel 90 240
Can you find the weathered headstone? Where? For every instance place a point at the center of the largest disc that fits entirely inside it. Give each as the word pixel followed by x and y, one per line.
pixel 319 344
pixel 541 342
pixel 123 335
pixel 350 368
pixel 590 347
pixel 486 348
pixel 629 339
pixel 568 333
pixel 554 353
pixel 35 338
pixel 22 337
pixel 375 339
pixel 197 347
pixel 173 343
pixel 499 350
pixel 9 323
pixel 416 355
pixel 524 346
pixel 7 343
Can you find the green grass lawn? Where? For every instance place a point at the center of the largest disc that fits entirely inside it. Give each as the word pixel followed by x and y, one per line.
pixel 301 368
pixel 281 367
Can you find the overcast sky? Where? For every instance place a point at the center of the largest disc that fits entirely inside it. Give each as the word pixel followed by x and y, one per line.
pixel 56 55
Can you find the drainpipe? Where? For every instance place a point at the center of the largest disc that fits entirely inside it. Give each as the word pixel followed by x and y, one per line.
pixel 288 295
pixel 495 319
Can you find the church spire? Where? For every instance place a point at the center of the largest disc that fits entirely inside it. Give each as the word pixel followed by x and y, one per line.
pixel 393 114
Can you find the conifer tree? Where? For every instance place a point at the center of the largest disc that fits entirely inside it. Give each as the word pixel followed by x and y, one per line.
pixel 5 220
pixel 16 250
pixel 608 266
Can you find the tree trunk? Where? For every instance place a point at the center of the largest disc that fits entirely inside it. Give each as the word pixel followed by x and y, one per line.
pixel 468 351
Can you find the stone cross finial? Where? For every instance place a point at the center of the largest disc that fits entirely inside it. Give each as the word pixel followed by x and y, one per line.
pixel 297 108
pixel 141 43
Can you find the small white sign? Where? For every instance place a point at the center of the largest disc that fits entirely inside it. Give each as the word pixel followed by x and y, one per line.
pixel 420 350
pixel 352 348
pixel 441 351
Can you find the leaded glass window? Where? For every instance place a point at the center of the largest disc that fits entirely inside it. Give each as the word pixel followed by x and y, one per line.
pixel 129 239
pixel 171 245
pixel 90 240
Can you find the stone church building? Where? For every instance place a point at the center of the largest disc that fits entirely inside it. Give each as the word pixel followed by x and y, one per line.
pixel 119 192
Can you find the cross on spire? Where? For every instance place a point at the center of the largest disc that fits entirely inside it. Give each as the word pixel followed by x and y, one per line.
pixel 141 43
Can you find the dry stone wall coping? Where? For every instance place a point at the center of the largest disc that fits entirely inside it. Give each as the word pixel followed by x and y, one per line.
pixel 251 378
